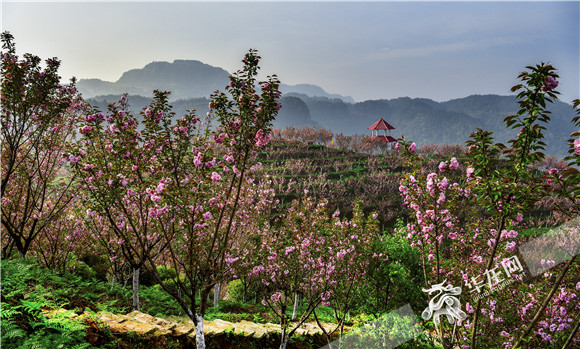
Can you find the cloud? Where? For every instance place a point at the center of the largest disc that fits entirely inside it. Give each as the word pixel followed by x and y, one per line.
pixel 429 50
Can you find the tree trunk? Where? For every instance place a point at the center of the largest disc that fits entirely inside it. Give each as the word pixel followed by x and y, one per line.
pixel 199 336
pixel 284 341
pixel 198 323
pixel 296 301
pixel 136 289
pixel 216 294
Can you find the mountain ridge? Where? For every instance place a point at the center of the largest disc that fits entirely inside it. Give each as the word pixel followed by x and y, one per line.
pixel 419 119
pixel 184 78
pixel 422 120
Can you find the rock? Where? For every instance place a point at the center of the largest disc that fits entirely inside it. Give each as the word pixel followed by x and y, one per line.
pixel 216 326
pixel 252 329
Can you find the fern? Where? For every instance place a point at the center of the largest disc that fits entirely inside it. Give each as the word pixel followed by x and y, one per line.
pixel 31 307
pixel 11 330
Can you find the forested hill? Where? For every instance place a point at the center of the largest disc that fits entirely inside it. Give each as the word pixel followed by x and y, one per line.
pixel 428 122
pixel 421 120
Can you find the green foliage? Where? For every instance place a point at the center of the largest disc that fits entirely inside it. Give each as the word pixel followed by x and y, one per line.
pixel 83 270
pixel 236 290
pixel 166 272
pixel 157 302
pixel 240 292
pixel 390 330
pixel 393 277
pixel 98 264
pixel 24 325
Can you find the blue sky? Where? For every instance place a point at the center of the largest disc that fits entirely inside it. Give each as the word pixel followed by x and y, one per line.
pixel 368 50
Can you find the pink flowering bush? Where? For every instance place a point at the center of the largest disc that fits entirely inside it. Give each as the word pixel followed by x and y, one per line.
pixel 465 220
pixel 322 259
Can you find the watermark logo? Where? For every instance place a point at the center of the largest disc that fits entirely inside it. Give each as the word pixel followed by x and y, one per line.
pixel 444 303
pixel 495 279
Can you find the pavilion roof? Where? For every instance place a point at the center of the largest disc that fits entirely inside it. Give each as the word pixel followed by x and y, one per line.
pixel 386 139
pixel 381 125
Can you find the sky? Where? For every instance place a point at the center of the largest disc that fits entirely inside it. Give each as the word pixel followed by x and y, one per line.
pixel 367 50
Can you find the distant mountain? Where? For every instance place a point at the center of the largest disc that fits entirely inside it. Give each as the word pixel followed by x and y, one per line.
pixel 312 91
pixel 293 113
pixel 428 122
pixel 422 120
pixel 184 78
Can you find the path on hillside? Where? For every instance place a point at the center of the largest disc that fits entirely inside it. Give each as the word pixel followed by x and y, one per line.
pixel 145 324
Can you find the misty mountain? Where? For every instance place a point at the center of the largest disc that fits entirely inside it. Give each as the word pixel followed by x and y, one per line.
pixel 429 122
pixel 422 120
pixel 293 113
pixel 184 78
pixel 312 91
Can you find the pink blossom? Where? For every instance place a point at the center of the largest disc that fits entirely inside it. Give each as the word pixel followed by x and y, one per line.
pixel 453 236
pixel 512 234
pixel 86 129
pixel 510 246
pixel 215 177
pixel 275 297
pixel 441 198
pixel 549 84
pixel 443 166
pixel 519 217
pixel 470 171
pixel 412 147
pixel 207 216
pixel 453 165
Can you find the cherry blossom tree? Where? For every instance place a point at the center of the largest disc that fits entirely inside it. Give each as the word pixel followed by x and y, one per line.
pixel 320 257
pixel 38 117
pixel 209 206
pixel 116 168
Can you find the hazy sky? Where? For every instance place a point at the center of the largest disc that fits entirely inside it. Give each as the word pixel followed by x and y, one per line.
pixel 368 50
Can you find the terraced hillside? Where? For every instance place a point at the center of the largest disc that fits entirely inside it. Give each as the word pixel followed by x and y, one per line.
pixel 339 175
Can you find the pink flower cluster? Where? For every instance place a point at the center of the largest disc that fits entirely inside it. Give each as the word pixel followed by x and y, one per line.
pixel 261 138
pixel 549 84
